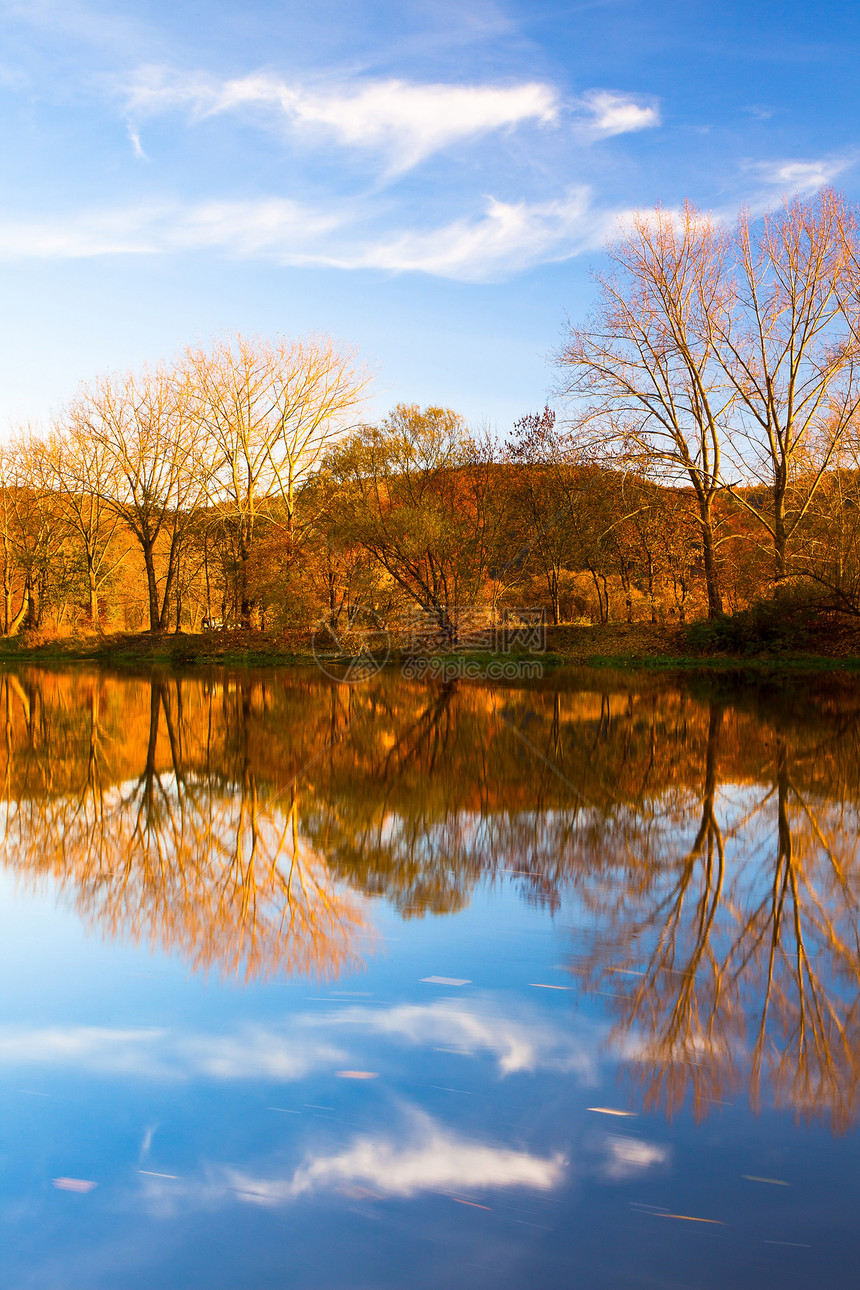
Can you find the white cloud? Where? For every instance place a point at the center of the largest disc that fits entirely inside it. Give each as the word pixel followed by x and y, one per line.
pixel 95 1048
pixel 256 1052
pixel 518 1044
pixel 759 112
pixel 136 144
pixel 270 226
pixel 507 238
pixel 610 113
pixel 801 177
pixel 404 121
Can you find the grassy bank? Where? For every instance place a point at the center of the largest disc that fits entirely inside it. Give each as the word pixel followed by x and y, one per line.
pixel 251 649
pixel 825 647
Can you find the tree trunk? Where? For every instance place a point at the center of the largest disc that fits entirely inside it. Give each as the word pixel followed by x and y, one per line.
pixel 780 540
pixel 94 594
pixel 246 604
pixel 152 587
pixel 243 590
pixel 17 619
pixel 172 561
pixel 602 608
pixel 715 600
pixel 650 567
pixel 555 607
pixel 30 615
pixel 628 596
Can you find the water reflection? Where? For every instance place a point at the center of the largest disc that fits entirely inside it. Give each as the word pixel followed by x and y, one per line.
pixel 705 843
pixel 143 801
pixel 732 959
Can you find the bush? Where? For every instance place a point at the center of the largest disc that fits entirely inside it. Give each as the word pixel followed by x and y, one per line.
pixel 779 625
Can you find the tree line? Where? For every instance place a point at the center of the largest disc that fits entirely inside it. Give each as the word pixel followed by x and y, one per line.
pixel 706 454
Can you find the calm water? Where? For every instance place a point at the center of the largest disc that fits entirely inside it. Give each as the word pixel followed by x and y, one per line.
pixel 402 985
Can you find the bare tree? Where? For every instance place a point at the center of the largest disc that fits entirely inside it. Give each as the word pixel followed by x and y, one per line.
pixel 643 378
pixel 33 532
pixel 270 410
pixel 81 469
pixel 155 469
pixel 789 347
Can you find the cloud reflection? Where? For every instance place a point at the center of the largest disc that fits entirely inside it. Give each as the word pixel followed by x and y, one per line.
pixel 297 1047
pixel 518 1045
pixel 427 1158
pixel 252 1052
pixel 627 1157
pixel 434 1160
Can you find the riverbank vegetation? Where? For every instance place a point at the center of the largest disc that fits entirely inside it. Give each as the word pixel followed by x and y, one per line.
pixel 704 463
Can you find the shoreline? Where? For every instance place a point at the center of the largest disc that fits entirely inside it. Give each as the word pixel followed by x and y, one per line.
pixel 623 650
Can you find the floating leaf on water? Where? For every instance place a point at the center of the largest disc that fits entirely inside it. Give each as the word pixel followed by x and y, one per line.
pixel 444 980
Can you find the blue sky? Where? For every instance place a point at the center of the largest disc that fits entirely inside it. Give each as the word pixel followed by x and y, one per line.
pixel 431 182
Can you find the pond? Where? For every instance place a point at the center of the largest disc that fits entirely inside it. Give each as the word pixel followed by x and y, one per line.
pixel 402 983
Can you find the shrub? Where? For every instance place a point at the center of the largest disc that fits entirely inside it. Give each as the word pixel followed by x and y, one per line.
pixel 778 625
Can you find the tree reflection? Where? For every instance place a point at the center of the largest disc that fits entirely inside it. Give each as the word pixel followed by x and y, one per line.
pixel 739 962
pixel 182 848
pixel 708 842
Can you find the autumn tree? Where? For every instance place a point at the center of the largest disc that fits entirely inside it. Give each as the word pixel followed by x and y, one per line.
pixel 335 576
pixel 419 495
pixel 154 471
pixel 81 468
pixel 269 411
pixel 34 533
pixel 789 345
pixel 642 377
pixel 544 484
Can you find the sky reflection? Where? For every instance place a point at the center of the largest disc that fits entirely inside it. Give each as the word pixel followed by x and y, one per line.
pixel 485 1047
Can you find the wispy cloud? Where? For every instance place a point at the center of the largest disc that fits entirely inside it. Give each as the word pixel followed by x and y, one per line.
pixel 404 121
pixel 627 1157
pixel 254 1052
pixel 759 112
pixel 506 238
pixel 519 1043
pixel 422 1157
pixel 308 1043
pixel 96 1048
pixel 136 144
pixel 803 177
pixel 263 227
pixel 608 113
